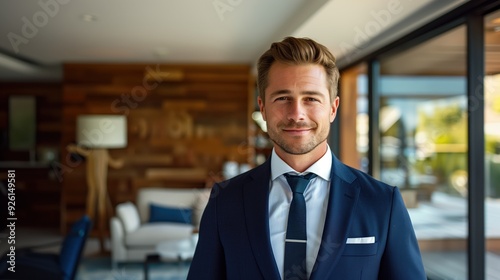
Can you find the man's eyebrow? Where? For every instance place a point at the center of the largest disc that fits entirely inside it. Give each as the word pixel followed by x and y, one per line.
pixel 311 92
pixel 286 91
pixel 279 92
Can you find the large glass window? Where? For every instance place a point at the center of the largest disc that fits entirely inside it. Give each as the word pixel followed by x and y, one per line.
pixel 423 145
pixel 492 145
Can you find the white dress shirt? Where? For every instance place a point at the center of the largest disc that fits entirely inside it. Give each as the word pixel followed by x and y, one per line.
pixel 280 197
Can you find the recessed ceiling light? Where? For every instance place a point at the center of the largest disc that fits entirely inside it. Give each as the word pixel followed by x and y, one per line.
pixel 496 21
pixel 89 18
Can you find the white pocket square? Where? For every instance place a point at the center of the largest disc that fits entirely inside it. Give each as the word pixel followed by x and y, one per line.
pixel 361 240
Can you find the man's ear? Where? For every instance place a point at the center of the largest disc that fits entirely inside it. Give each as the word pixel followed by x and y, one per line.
pixel 261 107
pixel 334 108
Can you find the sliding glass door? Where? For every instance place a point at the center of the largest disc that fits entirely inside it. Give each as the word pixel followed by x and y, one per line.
pixel 423 145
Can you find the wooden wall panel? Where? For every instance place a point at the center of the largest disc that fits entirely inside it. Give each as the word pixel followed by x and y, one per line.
pixel 180 117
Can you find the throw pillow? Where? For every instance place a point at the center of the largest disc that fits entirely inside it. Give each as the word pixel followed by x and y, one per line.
pixel 160 213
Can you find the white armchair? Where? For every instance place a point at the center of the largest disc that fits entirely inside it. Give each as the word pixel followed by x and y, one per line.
pixel 135 233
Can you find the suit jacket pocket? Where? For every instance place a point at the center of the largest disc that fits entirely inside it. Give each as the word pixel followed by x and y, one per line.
pixel 360 249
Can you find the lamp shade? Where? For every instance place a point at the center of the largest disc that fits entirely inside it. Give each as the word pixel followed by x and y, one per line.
pixel 101 131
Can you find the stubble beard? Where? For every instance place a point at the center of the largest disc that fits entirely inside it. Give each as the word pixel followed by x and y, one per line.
pixel 292 147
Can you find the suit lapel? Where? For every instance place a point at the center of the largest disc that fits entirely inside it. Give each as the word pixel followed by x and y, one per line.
pixel 256 200
pixel 344 193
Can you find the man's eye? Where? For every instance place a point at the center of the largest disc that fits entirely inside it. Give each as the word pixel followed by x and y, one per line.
pixel 311 99
pixel 281 98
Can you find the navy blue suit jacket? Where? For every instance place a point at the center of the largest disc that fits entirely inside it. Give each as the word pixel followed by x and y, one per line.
pixel 234 232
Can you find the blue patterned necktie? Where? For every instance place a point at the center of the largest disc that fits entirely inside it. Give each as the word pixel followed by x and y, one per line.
pixel 296 233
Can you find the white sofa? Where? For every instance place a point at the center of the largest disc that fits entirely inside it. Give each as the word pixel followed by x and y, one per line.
pixel 133 237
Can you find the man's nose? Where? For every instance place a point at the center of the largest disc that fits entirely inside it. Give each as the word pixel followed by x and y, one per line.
pixel 296 110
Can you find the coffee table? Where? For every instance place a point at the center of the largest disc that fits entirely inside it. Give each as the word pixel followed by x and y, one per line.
pixel 178 250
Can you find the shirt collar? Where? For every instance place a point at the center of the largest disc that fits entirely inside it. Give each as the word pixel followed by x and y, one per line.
pixel 322 167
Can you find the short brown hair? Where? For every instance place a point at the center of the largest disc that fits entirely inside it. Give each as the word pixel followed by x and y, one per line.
pixel 297 51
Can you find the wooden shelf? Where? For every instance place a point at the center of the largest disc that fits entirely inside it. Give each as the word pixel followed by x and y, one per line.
pixel 177 174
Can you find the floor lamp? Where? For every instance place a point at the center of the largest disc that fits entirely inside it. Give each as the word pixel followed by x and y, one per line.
pixel 95 134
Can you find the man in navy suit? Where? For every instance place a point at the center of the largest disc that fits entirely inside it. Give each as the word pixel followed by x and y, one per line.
pixel 357 227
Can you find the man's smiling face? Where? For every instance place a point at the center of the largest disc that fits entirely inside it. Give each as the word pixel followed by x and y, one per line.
pixel 297 108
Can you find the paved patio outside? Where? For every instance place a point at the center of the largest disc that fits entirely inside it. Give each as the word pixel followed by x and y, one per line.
pixel 443 219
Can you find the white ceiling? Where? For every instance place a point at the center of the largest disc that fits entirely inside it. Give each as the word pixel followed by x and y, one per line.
pixel 47 33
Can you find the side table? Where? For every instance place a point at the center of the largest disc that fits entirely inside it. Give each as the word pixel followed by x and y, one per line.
pixel 172 250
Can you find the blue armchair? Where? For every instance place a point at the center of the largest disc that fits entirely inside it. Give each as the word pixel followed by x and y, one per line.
pixel 34 265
